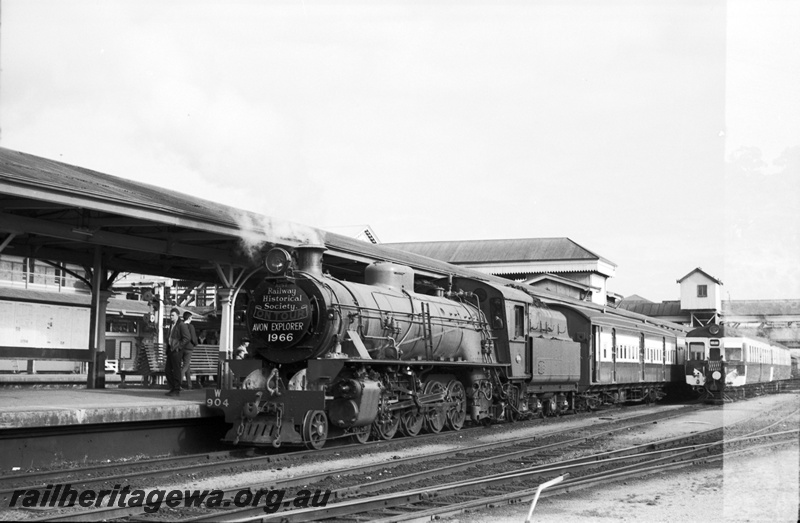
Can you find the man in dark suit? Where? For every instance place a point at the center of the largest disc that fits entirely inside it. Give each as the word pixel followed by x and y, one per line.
pixel 186 358
pixel 178 339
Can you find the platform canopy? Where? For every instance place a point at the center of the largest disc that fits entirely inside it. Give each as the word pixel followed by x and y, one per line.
pixel 54 211
pixel 62 213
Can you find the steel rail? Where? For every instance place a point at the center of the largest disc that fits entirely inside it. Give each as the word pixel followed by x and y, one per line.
pixel 104 513
pixel 373 486
pixel 237 514
pixel 628 466
pixel 170 465
pixel 452 509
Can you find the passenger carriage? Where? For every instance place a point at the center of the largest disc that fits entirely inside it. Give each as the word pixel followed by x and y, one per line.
pixel 623 356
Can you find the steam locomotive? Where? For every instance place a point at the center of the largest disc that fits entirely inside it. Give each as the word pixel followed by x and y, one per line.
pixel 375 359
pixel 725 364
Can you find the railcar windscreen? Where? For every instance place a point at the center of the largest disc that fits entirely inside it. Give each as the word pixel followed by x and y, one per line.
pixel 697 351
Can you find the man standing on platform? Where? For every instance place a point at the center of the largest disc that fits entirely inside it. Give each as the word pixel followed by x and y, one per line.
pixel 186 357
pixel 179 338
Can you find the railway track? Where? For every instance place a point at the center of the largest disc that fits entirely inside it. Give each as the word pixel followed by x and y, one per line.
pixel 209 463
pixel 520 486
pixel 488 452
pixel 508 469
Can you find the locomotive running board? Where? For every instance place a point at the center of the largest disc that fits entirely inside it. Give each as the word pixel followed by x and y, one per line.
pixel 358 343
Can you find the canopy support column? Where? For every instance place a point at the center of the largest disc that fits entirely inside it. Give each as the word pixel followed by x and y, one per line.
pixel 96 375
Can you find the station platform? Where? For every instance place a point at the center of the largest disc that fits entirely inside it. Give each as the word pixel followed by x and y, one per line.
pixel 28 407
pixel 23 379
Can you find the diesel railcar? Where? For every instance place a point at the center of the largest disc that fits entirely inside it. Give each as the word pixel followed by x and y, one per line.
pixel 725 364
pixel 341 359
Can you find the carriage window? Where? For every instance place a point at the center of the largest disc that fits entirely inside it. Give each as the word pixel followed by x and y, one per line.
pixel 697 351
pixel 733 354
pixel 702 291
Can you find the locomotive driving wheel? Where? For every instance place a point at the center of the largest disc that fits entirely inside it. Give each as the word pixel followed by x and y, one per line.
pixel 315 429
pixel 387 427
pixel 435 416
pixel 411 421
pixel 457 412
pixel 361 434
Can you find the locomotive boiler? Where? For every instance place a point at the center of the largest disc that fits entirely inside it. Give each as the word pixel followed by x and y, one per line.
pixel 371 359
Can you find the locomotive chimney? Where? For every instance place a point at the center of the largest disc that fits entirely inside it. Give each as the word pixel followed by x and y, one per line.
pixel 309 259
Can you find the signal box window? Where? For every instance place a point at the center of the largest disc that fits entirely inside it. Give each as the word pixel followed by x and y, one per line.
pixel 702 291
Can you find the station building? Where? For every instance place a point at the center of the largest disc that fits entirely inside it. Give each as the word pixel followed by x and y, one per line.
pixel 558 265
pixel 562 266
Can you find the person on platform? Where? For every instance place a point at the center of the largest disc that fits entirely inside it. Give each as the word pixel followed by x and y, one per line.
pixel 241 352
pixel 186 357
pixel 177 340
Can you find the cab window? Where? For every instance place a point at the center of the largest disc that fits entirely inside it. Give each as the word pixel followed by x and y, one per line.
pixel 697 351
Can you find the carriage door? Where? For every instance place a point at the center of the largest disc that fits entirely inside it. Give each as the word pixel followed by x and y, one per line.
pixel 594 355
pixel 771 355
pixel 663 359
pixel 613 355
pixel 641 356
pixel 517 343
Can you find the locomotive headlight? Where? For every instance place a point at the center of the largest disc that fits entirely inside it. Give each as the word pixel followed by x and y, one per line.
pixel 716 375
pixel 277 261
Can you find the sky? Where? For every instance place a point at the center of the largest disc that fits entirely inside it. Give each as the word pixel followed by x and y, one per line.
pixel 662 135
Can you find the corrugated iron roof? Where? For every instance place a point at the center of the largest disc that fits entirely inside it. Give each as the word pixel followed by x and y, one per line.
pixel 154 230
pixel 510 250
pixel 35 295
pixel 761 307
pixel 70 298
pixel 729 308
pixel 636 297
pixel 667 308
pixel 561 280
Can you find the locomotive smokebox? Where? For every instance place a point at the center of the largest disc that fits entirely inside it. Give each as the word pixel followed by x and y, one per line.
pixel 309 259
